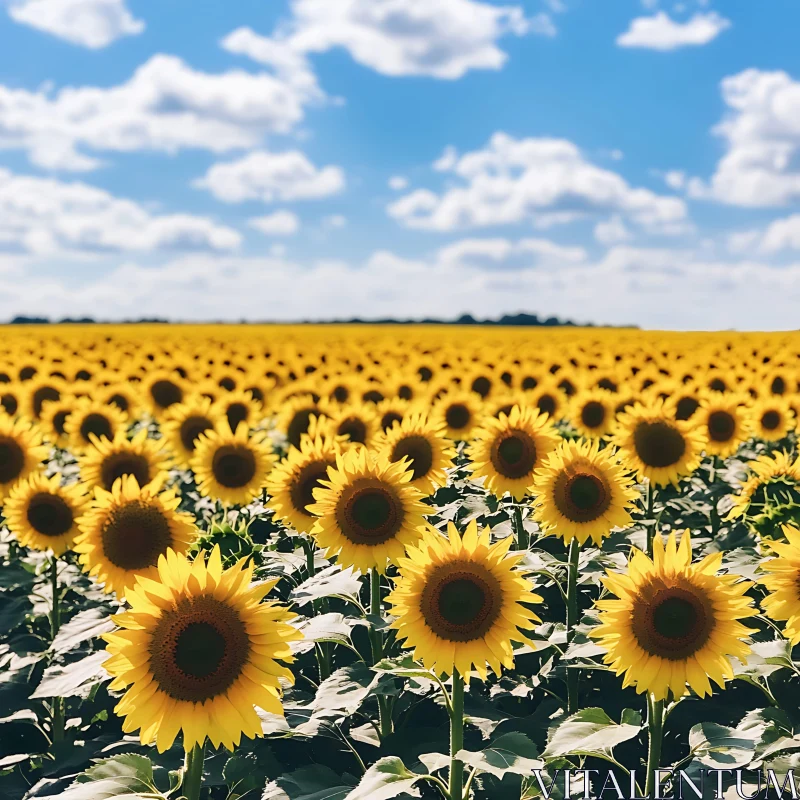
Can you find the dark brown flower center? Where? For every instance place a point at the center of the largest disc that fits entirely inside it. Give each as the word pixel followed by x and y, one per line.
pixel 418 450
pixel 546 404
pixel 369 512
pixel 686 407
pixel 233 466
pixel 770 420
pixel 298 425
pixel 593 414
pixel 658 444
pixel 49 515
pixel 166 393
pixel 116 465
pixel 513 454
pixel 12 459
pixel 198 649
pixel 98 424
pixel 721 426
pixel 120 401
pixel 372 396
pixel 388 420
pixel 9 403
pixel 305 481
pixel 581 496
pixel 191 429
pixel 59 419
pixel 457 416
pixel 461 601
pixel 354 428
pixel 778 385
pixel 41 396
pixel 236 413
pixel 135 535
pixel 482 386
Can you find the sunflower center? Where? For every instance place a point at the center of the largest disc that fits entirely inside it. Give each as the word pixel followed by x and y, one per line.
pixel 672 621
pixel 236 413
pixel 41 396
pixel 233 466
pixel 49 515
pixel 514 455
pixel 372 396
pixel 299 425
pixel 198 649
pixel 721 426
pixel 593 414
pixel 369 513
pixel 12 459
pixel 135 535
pixel 718 385
pixel 581 496
pixel 658 444
pixel 118 464
pixel 457 416
pixel 482 386
pixel 96 424
pixel 461 601
pixel 770 420
pixel 686 407
pixel 340 394
pixel 58 421
pixel 354 428
pixel 308 478
pixel 389 419
pixel 418 450
pixel 227 383
pixel 166 393
pixel 546 404
pixel 120 401
pixel 9 403
pixel 778 385
pixel 191 428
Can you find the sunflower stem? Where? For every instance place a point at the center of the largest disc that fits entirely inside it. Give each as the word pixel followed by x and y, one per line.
pixel 655 730
pixel 456 785
pixel 57 731
pixel 572 620
pixel 193 773
pixel 651 529
pixel 375 612
pixel 523 539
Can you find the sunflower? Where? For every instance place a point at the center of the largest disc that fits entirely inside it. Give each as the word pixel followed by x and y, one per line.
pixel 238 406
pixel 161 389
pixel 183 423
pixel 126 530
pixel 91 418
pixel 229 466
pixel 54 417
pixel 783 582
pixel 106 460
pixel 38 391
pixel 291 484
pixel 506 450
pixel 656 446
pixel 10 396
pixel 548 399
pixel 295 416
pixel 723 417
pixel 459 602
pixel 674 622
pixel 368 513
pixel 42 514
pixel 21 452
pixel 460 412
pixel 391 410
pixel 771 418
pixel 356 423
pixel 684 400
pixel 124 396
pixel 591 412
pixel 425 445
pixel 582 492
pixel 197 650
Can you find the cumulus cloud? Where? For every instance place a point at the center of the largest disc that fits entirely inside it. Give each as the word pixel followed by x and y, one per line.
pixel 536 180
pixel 761 166
pixel 89 23
pixel 611 231
pixel 166 106
pixel 435 38
pixel 334 221
pixel 661 32
pixel 268 177
pixel 281 223
pixel 398 183
pixel 46 216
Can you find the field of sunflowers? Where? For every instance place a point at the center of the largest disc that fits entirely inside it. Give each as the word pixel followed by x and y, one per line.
pixel 358 563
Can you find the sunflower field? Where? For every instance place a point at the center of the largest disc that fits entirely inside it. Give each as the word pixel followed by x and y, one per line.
pixel 366 562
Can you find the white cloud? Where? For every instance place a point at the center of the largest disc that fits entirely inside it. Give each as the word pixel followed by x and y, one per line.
pixel 447 160
pixel 436 38
pixel 762 133
pixel 166 106
pixel 281 223
pixel 46 216
pixel 398 183
pixel 542 181
pixel 505 253
pixel 334 221
pixel 661 32
pixel 611 231
pixel 268 177
pixel 782 234
pixel 89 23
pixel 675 179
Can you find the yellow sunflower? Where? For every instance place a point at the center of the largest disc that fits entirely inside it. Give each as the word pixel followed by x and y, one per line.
pixel 724 419
pixel 356 423
pixel 183 423
pixel 295 416
pixel 40 390
pixel 42 514
pixel 238 406
pixel 772 418
pixel 425 445
pixel 459 602
pixel 21 452
pixel 582 492
pixel 106 460
pixel 592 412
pixel 197 651
pixel 506 450
pixel 230 466
pixel 460 412
pixel 54 417
pixel 783 582
pixel 368 511
pixel 126 530
pixel 674 622
pixel 162 389
pixel 92 418
pixel 655 445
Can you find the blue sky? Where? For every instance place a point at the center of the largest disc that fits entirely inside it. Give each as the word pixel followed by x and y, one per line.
pixel 619 161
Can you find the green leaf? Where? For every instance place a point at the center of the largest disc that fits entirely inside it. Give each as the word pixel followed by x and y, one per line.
pixel 387 777
pixel 73 679
pixel 324 628
pixel 246 773
pixel 13 613
pixel 589 732
pixel 511 753
pixel 315 782
pixel 84 625
pixel 720 747
pixel 404 667
pixel 329 582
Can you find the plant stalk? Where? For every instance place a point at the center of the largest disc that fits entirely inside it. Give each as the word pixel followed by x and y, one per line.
pixel 651 529
pixel 456 784
pixel 385 725
pixel 572 620
pixel 57 730
pixel 193 772
pixel 523 539
pixel 655 732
